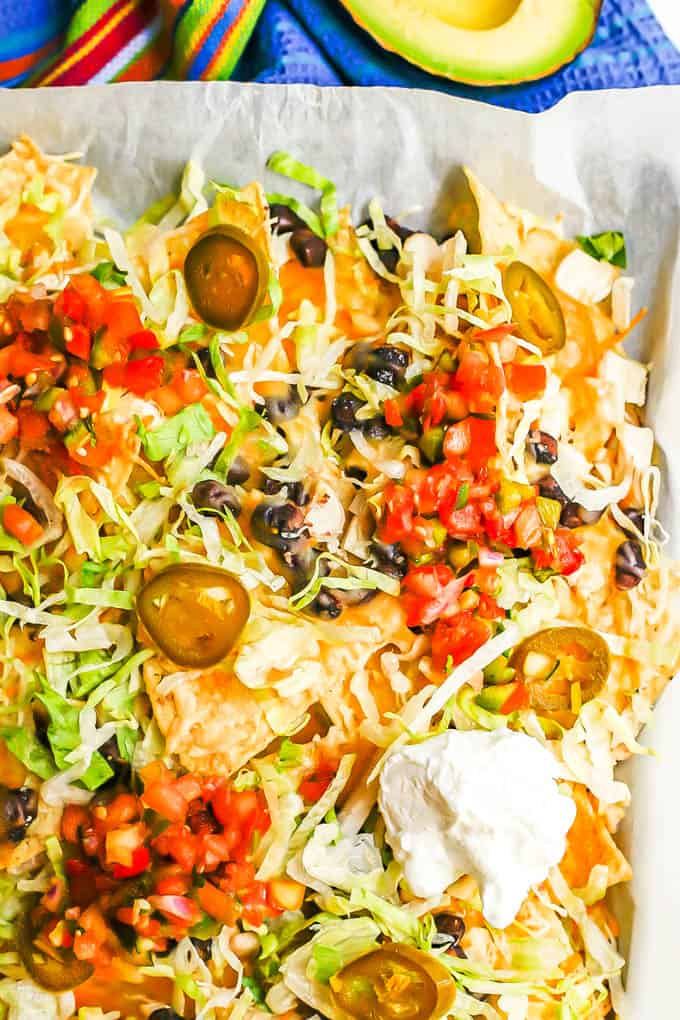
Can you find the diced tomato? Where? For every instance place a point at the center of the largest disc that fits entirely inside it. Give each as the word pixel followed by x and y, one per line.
pixel 173 884
pixel 179 909
pixel 479 379
pixel 122 843
pixel 431 592
pixel 63 413
pixel 243 805
pixel 256 904
pixel 20 524
pixel 565 557
pixel 188 786
pixel 488 608
pixel 19 360
pixel 144 375
pixel 34 428
pixel 71 304
pixel 145 339
pixel 188 385
pixel 124 808
pixel 286 894
pixel 74 819
pixel 78 340
pixel 517 700
pixel 141 859
pixel 91 454
pixel 217 904
pixel 314 787
pixel 238 876
pixel 482 442
pixel 528 528
pixel 29 313
pixel 493 335
pixel 436 486
pixel 166 800
pixel 463 523
pixel 393 415
pixel 458 639
pixel 458 439
pixel 9 424
pixel 526 380
pixel 178 842
pixel 399 509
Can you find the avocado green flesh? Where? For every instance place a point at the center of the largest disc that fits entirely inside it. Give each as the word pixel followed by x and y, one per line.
pixel 483 42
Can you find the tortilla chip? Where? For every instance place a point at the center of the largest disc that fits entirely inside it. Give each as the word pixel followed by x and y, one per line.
pixel 589 842
pixel 215 724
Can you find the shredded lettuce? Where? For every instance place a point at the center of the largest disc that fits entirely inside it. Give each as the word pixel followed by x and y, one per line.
pixel 285 164
pixel 191 425
pixel 609 246
pixel 306 214
pixel 395 922
pixel 357 578
pixel 64 735
pixel 307 970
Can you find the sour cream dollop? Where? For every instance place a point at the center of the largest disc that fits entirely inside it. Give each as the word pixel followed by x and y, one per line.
pixel 480 804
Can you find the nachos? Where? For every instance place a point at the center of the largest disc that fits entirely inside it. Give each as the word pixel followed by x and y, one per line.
pixel 332 593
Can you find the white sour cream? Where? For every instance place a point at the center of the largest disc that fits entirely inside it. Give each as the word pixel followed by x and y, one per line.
pixel 480 804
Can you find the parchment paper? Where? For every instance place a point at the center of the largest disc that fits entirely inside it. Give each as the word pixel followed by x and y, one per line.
pixel 607 160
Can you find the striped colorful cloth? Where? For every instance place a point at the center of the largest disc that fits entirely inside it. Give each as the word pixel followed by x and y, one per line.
pixel 66 42
pixel 70 42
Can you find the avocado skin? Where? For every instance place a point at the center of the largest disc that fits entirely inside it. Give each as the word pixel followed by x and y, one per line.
pixel 423 39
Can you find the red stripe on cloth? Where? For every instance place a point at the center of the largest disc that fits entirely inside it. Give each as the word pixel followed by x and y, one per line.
pixel 90 63
pixel 82 40
pixel 17 65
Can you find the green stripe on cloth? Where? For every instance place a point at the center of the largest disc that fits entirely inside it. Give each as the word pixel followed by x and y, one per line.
pixel 134 40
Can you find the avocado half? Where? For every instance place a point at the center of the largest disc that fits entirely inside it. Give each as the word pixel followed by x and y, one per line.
pixel 481 42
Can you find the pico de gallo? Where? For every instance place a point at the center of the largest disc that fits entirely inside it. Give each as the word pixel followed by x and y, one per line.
pixel 287 502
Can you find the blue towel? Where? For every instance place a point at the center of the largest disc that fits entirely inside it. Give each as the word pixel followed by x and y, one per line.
pixel 316 41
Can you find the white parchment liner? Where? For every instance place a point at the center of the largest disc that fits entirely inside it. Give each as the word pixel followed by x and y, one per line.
pixel 608 160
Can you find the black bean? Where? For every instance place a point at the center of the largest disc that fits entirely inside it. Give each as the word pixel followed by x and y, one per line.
pixel 384 364
pixel 357 473
pixel 630 565
pixel 636 516
pixel 283 406
pixel 295 491
pixel 452 925
pixel 401 231
pixel 356 596
pixel 589 516
pixel 119 764
pixel 309 249
pixel 165 1013
pixel 386 375
pixel 213 495
pixel 344 412
pixel 549 489
pixel 239 472
pixel 277 525
pixel 203 947
pixel 326 604
pixel 390 256
pixel 576 516
pixel 300 557
pixel 543 447
pixel 389 559
pixel 18 808
pixel 284 219
pixel 376 428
